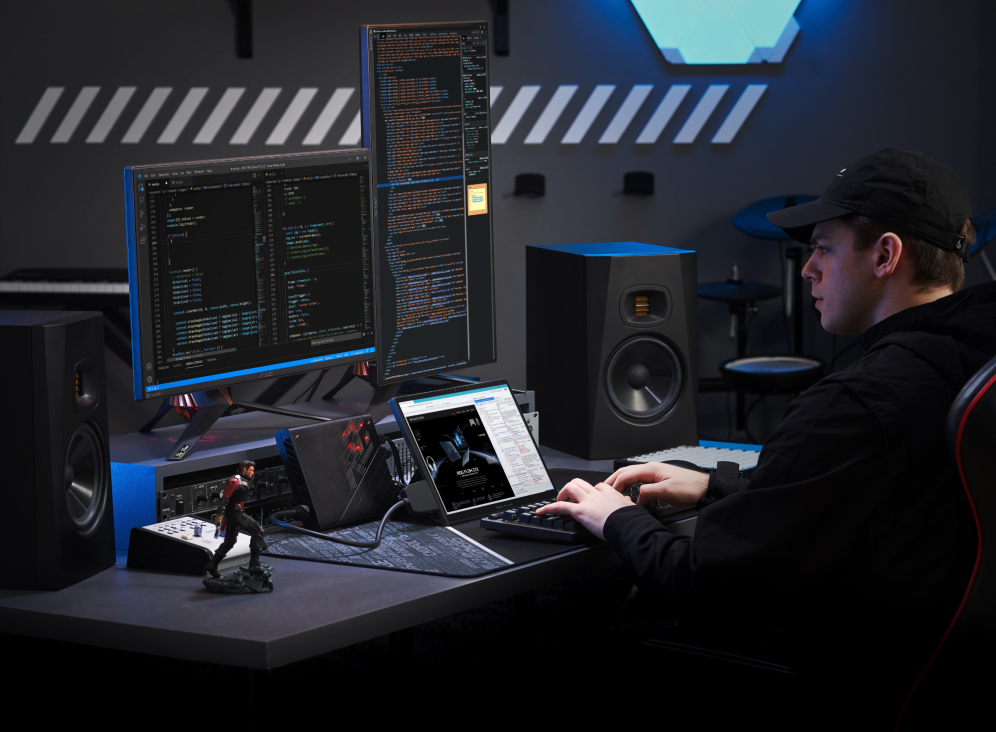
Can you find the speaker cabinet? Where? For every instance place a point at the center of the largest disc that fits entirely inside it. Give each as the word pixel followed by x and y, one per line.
pixel 59 525
pixel 611 347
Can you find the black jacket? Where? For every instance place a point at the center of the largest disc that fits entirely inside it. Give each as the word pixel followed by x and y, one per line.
pixel 854 535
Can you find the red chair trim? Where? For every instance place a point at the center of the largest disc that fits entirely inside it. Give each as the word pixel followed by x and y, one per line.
pixel 978 552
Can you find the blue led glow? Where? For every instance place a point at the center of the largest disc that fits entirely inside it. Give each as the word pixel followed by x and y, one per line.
pixel 720 31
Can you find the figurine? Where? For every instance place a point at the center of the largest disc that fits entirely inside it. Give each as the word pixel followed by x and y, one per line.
pixel 232 520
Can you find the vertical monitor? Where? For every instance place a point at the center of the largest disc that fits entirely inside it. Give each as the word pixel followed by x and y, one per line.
pixel 425 116
pixel 247 268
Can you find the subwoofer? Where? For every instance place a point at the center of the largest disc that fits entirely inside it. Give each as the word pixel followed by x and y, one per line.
pixel 611 347
pixel 59 526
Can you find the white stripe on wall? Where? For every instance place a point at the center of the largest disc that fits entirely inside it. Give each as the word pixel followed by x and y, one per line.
pixel 255 116
pixel 291 116
pixel 110 115
pixel 41 112
pixel 182 115
pixel 333 108
pixel 581 124
pixel 75 114
pixel 495 91
pixel 700 115
pixel 353 134
pixel 146 114
pixel 551 113
pixel 630 106
pixel 662 115
pixel 218 115
pixel 520 103
pixel 739 114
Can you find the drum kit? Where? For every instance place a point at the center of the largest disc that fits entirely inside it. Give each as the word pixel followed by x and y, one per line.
pixel 776 373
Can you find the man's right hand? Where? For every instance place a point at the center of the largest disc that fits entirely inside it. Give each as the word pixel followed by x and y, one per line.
pixel 673 485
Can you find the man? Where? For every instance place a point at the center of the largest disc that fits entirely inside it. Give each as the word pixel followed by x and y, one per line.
pixel 854 536
pixel 234 520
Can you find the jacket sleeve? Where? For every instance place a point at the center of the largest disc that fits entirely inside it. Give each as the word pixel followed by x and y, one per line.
pixel 724 481
pixel 793 522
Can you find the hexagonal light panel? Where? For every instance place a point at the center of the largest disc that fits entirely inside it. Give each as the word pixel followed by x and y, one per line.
pixel 720 31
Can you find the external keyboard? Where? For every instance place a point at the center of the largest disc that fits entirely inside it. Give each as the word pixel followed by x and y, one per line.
pixel 702 457
pixel 526 522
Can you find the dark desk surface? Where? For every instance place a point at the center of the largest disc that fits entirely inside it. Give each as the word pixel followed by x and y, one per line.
pixel 314 609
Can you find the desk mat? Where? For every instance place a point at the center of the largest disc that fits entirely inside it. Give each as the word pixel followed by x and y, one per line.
pixel 416 545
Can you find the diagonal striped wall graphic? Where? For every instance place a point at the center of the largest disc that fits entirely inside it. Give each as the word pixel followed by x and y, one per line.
pixel 259 114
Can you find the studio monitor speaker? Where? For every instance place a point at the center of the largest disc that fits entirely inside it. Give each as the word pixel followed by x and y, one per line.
pixel 59 526
pixel 611 347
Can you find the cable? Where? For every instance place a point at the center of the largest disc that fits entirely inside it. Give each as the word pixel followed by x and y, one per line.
pixel 747 417
pixel 781 261
pixel 298 511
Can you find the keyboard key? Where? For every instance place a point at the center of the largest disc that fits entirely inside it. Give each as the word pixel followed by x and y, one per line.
pixel 537 520
pixel 509 516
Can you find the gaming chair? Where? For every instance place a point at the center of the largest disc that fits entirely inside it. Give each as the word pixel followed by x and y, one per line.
pixel 955 685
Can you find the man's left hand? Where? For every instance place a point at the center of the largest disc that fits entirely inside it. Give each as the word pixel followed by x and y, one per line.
pixel 591 505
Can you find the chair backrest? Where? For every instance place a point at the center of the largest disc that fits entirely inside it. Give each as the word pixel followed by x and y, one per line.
pixel 971 431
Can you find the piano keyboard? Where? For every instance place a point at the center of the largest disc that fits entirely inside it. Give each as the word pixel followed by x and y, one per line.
pixel 704 457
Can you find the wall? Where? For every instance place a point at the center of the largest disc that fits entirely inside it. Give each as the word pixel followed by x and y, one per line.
pixel 860 76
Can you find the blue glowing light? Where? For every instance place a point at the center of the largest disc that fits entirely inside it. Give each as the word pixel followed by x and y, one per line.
pixel 720 31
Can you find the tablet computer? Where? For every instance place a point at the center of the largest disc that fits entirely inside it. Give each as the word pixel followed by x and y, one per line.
pixel 471 445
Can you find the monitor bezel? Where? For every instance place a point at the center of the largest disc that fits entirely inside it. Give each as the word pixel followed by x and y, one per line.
pixel 134 283
pixel 471 514
pixel 366 116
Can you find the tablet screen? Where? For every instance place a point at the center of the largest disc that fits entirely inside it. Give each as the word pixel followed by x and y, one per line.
pixel 476 447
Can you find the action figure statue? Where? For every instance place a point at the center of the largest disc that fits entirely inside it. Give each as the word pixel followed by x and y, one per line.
pixel 232 520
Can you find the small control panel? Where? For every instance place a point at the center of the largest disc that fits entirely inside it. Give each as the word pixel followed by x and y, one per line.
pixel 182 545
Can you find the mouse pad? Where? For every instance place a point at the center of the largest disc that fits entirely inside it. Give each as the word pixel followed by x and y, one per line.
pixel 416 545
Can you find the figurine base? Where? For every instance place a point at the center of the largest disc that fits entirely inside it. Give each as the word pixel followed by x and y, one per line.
pixel 244 581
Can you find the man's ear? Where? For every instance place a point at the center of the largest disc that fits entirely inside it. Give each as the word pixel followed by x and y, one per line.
pixel 887 252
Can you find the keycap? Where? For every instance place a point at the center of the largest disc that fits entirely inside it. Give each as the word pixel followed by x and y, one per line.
pixel 495 516
pixel 538 520
pixel 509 516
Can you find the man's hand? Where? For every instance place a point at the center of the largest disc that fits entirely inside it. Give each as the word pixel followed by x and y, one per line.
pixel 592 506
pixel 673 485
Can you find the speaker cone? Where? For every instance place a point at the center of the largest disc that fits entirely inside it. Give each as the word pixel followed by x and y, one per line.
pixel 644 379
pixel 85 480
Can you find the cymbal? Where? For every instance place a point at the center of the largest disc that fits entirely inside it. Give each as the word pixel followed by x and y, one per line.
pixel 740 292
pixel 753 219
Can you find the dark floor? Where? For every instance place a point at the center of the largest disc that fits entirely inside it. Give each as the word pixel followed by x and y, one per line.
pixel 575 645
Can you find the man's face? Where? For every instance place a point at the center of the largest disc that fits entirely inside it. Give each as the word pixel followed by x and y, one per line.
pixel 844 282
pixel 249 472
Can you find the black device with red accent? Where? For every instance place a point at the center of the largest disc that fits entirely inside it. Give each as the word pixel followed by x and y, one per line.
pixel 339 470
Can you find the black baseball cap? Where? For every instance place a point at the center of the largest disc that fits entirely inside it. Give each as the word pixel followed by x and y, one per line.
pixel 907 190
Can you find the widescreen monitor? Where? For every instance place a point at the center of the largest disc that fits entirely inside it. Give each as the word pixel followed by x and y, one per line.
pixel 248 268
pixel 426 120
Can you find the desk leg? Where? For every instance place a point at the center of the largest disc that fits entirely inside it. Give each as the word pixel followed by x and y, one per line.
pixel 524 614
pixel 401 645
pixel 257 681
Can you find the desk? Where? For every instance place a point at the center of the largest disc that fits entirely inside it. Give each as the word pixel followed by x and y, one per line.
pixel 315 608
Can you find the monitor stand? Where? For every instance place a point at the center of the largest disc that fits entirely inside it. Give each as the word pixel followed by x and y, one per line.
pixel 211 405
pixel 383 393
